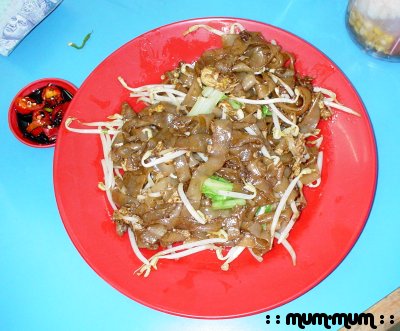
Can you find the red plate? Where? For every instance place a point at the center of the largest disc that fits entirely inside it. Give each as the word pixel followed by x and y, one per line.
pixel 195 286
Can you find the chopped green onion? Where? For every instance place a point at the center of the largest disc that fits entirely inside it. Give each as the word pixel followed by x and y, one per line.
pixel 87 37
pixel 236 105
pixel 224 97
pixel 264 209
pixel 216 197
pixel 207 91
pixel 206 102
pixel 264 226
pixel 49 110
pixel 228 203
pixel 220 179
pixel 265 110
pixel 213 184
pixel 212 187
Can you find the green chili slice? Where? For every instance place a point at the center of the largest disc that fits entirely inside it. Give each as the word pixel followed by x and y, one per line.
pixel 87 37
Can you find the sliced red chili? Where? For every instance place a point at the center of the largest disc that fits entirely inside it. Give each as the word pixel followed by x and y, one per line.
pixel 52 95
pixel 42 116
pixel 34 129
pixel 40 120
pixel 58 113
pixel 27 105
pixel 51 133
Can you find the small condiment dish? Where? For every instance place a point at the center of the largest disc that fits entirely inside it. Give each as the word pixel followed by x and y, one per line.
pixel 19 123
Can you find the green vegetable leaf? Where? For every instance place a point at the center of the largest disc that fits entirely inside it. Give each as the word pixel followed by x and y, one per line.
pixel 213 184
pixel 220 179
pixel 228 203
pixel 206 102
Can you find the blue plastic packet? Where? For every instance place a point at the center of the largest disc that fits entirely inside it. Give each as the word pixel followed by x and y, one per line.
pixel 19 17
